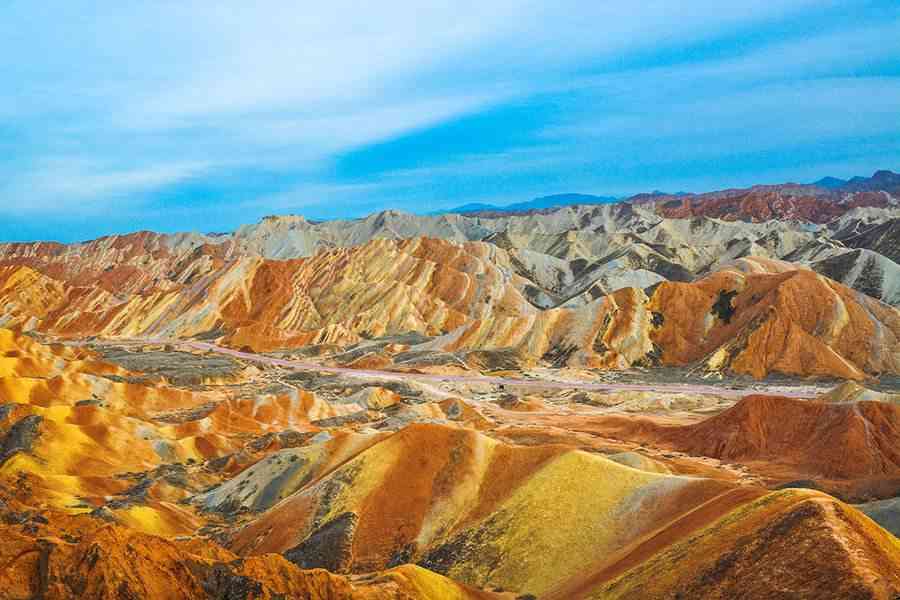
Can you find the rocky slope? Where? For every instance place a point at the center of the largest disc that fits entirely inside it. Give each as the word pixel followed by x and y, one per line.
pixel 883 238
pixel 459 503
pixel 109 561
pixel 866 271
pixel 495 515
pixel 750 317
pixel 565 253
pixel 812 533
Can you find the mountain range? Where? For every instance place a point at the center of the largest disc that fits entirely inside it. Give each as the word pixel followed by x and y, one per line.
pixel 884 181
pixel 541 203
pixel 552 286
pixel 669 396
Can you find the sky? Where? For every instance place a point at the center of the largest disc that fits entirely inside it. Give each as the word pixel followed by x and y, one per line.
pixel 201 116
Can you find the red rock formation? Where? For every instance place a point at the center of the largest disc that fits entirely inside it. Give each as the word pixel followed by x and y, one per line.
pixel 854 440
pixel 768 202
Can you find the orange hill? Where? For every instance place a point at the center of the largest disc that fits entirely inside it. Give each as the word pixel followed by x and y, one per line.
pixel 852 440
pixel 542 520
pixel 109 561
pixel 845 448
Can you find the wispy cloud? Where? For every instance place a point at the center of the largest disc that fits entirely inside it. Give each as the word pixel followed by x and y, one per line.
pixel 79 185
pixel 335 131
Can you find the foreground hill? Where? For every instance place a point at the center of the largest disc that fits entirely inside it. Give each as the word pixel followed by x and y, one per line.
pixel 496 515
pixel 92 469
pixel 462 504
pixel 809 535
pixel 117 484
pixel 108 561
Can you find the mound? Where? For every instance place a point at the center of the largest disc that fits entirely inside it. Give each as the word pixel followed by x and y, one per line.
pixel 495 515
pixel 89 439
pixel 114 562
pixel 847 448
pixel 457 502
pixel 92 463
pixel 793 544
pixel 762 323
pixel 844 441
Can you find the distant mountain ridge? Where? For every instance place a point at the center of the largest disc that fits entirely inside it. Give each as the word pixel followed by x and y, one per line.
pixel 819 202
pixel 552 201
pixel 883 180
pixel 830 183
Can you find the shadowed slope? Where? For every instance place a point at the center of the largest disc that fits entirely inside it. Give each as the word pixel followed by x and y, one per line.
pixel 111 562
pixel 480 511
pixel 793 544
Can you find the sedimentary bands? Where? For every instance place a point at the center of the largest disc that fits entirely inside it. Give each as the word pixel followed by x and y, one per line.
pixel 669 397
pixel 608 287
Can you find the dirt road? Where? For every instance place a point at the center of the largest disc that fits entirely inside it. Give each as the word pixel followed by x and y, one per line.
pixel 687 388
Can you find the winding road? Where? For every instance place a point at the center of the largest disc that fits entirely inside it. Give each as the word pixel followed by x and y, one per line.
pixel 685 388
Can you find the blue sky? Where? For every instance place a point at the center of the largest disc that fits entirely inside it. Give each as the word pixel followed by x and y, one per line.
pixel 204 115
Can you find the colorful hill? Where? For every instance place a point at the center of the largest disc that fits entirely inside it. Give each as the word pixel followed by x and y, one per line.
pixel 115 485
pixel 494 515
pixel 751 319
pixel 825 548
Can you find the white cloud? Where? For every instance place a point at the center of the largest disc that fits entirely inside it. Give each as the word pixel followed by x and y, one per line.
pixel 808 89
pixel 161 65
pixel 519 160
pixel 335 131
pixel 81 186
